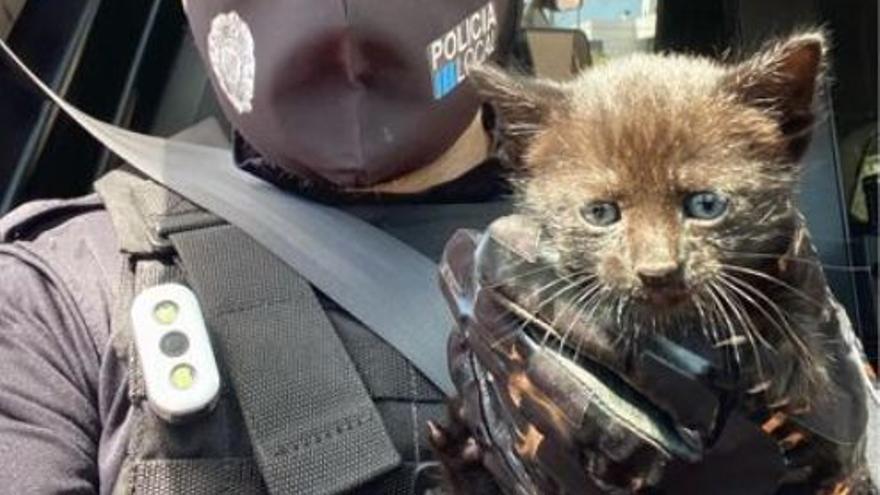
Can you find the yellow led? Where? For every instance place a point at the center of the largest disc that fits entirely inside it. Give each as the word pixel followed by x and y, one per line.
pixel 166 312
pixel 183 376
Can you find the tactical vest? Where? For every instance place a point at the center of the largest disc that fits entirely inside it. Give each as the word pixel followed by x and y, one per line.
pixel 311 401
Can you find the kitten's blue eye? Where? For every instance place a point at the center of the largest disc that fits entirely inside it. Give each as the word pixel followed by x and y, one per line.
pixel 600 214
pixel 705 205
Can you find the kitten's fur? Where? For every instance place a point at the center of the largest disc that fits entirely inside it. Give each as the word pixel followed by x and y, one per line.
pixel 646 131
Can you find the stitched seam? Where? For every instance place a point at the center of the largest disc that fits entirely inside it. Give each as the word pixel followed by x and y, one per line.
pixel 206 217
pixel 237 461
pixel 314 439
pixel 228 310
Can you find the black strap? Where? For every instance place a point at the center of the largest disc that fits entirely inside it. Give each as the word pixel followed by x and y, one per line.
pixel 310 419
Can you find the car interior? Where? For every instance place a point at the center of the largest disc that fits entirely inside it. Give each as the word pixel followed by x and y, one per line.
pixel 134 64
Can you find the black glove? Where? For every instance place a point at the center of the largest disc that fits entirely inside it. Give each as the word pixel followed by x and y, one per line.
pixel 541 418
pixel 548 425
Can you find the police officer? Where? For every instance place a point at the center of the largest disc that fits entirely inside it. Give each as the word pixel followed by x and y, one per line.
pixel 359 103
pixel 343 103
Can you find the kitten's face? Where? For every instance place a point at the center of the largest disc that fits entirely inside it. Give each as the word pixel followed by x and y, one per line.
pixel 650 186
pixel 653 173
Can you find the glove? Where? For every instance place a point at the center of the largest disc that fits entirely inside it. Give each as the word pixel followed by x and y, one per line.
pixel 541 424
pixel 538 416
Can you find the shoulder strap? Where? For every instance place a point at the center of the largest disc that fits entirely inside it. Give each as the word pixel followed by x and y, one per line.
pixel 310 419
pixel 363 277
pixel 305 408
pixel 145 214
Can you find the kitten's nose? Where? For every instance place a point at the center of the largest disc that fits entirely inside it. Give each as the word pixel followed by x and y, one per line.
pixel 660 275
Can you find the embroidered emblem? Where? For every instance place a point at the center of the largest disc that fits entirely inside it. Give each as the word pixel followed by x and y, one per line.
pixel 231 53
pixel 469 42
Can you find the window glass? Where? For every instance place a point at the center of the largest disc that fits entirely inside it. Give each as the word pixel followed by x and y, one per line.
pixel 612 27
pixel 9 10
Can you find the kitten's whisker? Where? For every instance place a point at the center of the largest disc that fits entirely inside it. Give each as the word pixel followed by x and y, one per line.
pixel 535 313
pixel 745 316
pixel 585 274
pixel 555 282
pixel 798 259
pixel 747 330
pixel 522 125
pixel 711 320
pixel 731 332
pixel 521 133
pixel 597 302
pixel 719 341
pixel 583 302
pixel 698 305
pixel 739 281
pixel 780 321
pixel 563 311
pixel 775 280
pixel 587 303
pixel 506 281
pixel 522 322
pixel 762 386
pixel 735 341
pixel 517 276
pixel 518 323
pixel 579 304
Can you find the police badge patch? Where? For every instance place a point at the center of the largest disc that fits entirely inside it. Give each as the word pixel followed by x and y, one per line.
pixel 231 53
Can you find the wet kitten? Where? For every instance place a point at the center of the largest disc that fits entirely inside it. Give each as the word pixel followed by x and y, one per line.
pixel 668 183
pixel 665 187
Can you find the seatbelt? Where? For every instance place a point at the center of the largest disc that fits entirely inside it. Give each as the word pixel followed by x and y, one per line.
pixel 388 286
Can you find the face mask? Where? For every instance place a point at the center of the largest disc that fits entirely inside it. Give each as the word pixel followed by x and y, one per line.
pixel 350 93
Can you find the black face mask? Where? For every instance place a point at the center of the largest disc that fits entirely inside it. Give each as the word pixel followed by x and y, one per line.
pixel 485 181
pixel 349 93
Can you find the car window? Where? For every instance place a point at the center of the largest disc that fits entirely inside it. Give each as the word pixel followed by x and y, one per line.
pixel 613 28
pixel 9 10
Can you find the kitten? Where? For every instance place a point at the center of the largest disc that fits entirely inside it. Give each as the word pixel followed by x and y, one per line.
pixel 668 184
pixel 671 182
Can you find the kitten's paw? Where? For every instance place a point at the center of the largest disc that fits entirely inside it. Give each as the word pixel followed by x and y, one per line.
pixel 461 457
pixel 455 447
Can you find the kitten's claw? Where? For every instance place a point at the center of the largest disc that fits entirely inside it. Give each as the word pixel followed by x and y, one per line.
pixel 461 447
pixel 437 435
pixel 471 452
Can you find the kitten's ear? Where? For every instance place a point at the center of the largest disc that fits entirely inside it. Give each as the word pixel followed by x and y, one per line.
pixel 784 78
pixel 522 104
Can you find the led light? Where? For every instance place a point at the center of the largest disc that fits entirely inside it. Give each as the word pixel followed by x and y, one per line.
pixel 166 312
pixel 183 376
pixel 174 344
